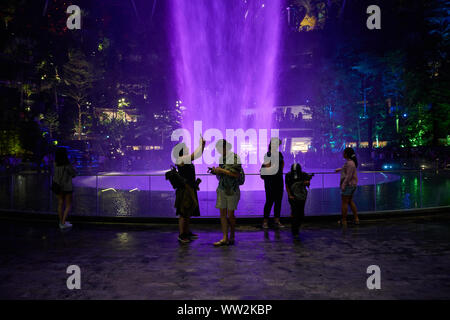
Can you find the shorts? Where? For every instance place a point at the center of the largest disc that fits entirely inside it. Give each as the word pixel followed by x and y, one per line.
pixel 225 201
pixel 64 193
pixel 348 191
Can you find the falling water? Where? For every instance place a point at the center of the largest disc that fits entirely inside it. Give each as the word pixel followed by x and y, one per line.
pixel 225 54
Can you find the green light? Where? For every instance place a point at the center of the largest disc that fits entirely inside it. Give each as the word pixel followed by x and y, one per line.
pixel 55 142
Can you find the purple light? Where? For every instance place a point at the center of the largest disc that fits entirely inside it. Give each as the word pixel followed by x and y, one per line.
pixel 225 55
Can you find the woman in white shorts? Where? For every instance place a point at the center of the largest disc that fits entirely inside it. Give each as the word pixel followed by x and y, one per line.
pixel 228 193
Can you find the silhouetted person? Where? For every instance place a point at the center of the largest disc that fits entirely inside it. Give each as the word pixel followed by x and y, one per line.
pixel 296 183
pixel 273 184
pixel 62 185
pixel 186 170
pixel 228 192
pixel 348 183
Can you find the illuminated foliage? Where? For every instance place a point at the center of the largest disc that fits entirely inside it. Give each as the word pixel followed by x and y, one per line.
pixel 78 78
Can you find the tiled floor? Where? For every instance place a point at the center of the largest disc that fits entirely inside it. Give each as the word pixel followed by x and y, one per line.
pixel 147 262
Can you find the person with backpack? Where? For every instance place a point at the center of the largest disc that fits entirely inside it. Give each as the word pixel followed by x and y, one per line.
pixel 230 175
pixel 62 185
pixel 186 198
pixel 273 183
pixel 296 183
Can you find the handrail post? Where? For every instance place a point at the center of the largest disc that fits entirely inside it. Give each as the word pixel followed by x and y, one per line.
pixel 50 197
pixel 12 192
pixel 420 188
pixel 96 195
pixel 149 193
pixel 207 195
pixel 323 188
pixel 374 192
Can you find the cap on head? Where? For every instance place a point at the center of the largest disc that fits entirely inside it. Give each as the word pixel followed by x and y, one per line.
pixel 221 144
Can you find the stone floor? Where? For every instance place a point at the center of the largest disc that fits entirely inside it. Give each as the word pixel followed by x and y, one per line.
pixel 147 262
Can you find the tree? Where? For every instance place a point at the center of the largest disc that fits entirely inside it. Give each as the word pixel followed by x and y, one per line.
pixel 116 129
pixel 438 24
pixel 78 78
pixel 51 121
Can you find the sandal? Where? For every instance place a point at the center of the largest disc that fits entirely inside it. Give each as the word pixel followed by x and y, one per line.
pixel 342 223
pixel 221 243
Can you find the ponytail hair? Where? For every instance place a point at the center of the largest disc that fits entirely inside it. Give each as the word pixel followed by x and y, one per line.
pixel 350 153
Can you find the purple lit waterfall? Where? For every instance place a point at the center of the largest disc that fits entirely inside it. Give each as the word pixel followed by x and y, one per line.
pixel 225 55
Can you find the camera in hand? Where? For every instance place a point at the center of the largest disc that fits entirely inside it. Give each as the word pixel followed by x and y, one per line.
pixel 197 184
pixel 310 176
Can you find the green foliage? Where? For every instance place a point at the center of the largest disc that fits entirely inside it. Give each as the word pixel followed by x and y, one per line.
pixel 416 129
pixel 10 143
pixel 78 78
pixel 51 121
pixel 116 129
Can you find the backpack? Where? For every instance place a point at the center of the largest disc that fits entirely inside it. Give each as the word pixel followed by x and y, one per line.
pixel 241 177
pixel 175 179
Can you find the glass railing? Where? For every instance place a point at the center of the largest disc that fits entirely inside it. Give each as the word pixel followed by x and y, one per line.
pixel 151 195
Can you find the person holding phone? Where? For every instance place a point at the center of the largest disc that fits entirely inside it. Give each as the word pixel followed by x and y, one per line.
pixel 228 193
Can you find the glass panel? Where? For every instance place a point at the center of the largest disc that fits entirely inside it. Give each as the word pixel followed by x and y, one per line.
pixel 121 196
pixel 436 188
pixel 153 196
pixel 162 198
pixel 32 192
pixel 6 192
pixel 84 196
pixel 398 190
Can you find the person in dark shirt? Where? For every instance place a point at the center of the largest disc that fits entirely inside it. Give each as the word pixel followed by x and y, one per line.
pixel 186 169
pixel 296 183
pixel 273 183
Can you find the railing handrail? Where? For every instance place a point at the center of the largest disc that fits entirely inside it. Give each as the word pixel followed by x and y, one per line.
pixel 207 174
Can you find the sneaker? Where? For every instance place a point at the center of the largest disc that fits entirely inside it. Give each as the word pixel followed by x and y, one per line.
pixel 221 243
pixel 279 225
pixel 265 225
pixel 65 226
pixel 192 235
pixel 183 239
